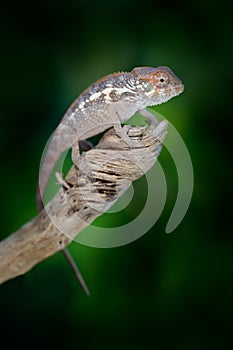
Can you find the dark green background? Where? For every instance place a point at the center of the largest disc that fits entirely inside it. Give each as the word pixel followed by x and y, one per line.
pixel 162 291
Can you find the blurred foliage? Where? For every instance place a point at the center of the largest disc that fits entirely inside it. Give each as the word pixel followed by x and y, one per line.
pixel 161 291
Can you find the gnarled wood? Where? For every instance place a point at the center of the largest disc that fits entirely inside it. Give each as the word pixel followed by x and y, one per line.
pixel 105 173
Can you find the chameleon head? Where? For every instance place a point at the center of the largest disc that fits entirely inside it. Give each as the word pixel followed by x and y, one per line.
pixel 158 84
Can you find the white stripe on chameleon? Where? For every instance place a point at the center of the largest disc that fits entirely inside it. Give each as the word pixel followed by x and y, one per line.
pixel 94 96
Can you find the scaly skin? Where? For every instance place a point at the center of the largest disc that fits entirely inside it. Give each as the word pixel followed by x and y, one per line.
pixel 106 103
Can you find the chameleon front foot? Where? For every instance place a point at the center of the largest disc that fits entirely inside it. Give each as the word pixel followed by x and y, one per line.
pixel 150 118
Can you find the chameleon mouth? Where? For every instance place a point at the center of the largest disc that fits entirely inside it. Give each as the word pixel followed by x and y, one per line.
pixel 166 94
pixel 180 88
pixel 175 90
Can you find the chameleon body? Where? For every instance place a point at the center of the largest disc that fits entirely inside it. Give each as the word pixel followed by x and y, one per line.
pixel 106 103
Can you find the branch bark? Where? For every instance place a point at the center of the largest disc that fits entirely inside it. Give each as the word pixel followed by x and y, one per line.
pixel 105 173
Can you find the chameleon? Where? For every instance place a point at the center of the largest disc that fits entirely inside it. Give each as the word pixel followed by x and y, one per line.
pixel 107 103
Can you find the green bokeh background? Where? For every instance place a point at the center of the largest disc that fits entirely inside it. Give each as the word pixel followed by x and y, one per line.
pixel 162 291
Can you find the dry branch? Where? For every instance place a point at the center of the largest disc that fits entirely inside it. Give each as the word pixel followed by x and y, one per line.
pixel 105 173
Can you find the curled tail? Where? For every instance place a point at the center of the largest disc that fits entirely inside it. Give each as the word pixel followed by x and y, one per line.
pixel 59 142
pixel 48 163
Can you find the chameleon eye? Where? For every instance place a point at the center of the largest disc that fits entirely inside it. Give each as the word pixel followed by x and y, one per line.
pixel 162 78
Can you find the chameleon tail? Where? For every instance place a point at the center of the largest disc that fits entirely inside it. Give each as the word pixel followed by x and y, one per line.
pixel 50 158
